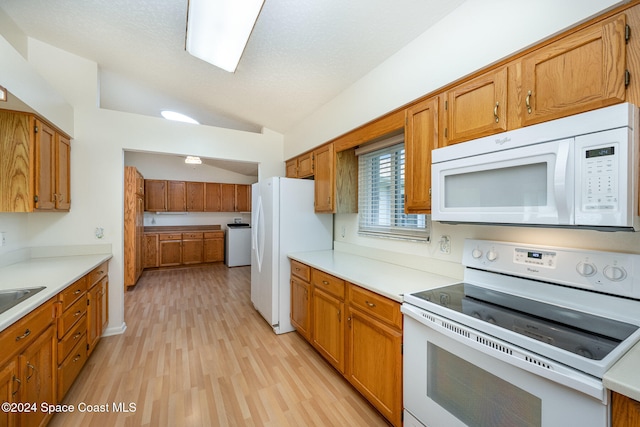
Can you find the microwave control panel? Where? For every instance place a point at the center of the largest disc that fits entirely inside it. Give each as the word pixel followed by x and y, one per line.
pixel 600 178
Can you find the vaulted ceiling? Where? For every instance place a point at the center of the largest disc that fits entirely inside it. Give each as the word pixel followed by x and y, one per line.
pixel 301 54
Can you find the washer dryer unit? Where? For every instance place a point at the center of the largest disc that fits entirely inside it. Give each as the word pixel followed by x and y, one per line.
pixel 237 245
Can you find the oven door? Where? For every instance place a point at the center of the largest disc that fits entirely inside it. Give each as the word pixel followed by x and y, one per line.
pixel 448 382
pixel 527 185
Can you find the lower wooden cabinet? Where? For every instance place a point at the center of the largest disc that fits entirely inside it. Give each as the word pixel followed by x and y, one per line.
pixel 625 412
pixel 357 331
pixel 213 246
pixel 170 249
pixel 97 312
pixel 150 250
pixel 183 248
pixel 192 248
pixel 8 384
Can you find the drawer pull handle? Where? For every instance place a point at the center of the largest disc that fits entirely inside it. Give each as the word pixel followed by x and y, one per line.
pixel 77 335
pixel 26 334
pixel 33 370
pixel 78 357
pixel 370 304
pixel 77 313
pixel 19 384
pixel 527 102
pixel 324 282
pixel 495 112
pixel 78 291
pixel 297 268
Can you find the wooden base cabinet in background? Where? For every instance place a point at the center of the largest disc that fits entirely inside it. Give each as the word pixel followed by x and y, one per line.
pixel 357 331
pixel 182 248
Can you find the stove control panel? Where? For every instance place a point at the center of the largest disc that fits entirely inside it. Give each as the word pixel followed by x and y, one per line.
pixel 609 272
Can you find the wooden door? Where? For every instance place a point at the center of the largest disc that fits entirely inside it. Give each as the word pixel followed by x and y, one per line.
pixel 195 196
pixel 38 370
pixel 324 179
pixel 170 252
pixel 301 306
pixel 176 196
pixel 16 186
pixel 476 108
pixel 305 165
pixel 374 363
pixel 421 137
pixel 150 250
pixel 45 173
pixel 192 249
pixel 228 197
pixel 291 167
pixel 63 173
pixel 212 197
pixel 328 327
pixel 9 392
pixel 581 72
pixel 243 198
pixel 155 195
pixel 213 247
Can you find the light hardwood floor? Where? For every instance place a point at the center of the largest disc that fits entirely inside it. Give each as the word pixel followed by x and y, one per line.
pixel 196 353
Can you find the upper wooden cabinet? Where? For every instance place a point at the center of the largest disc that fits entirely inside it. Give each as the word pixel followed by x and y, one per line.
pixel 301 166
pixel 35 174
pixel 243 198
pixel 421 137
pixel 476 108
pixel 155 195
pixel 324 179
pixel 176 196
pixel 581 72
pixel 183 196
pixel 228 195
pixel 195 196
pixel 212 197
pixel 291 167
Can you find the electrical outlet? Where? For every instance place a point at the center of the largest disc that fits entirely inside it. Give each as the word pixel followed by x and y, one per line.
pixel 445 244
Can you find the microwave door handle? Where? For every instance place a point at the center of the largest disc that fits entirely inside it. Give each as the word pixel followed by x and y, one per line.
pixel 563 182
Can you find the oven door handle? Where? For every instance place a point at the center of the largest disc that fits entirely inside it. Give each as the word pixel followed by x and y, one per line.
pixel 508 353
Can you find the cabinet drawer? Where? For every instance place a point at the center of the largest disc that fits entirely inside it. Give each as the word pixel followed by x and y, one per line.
pixel 71 339
pixel 72 293
pixel 170 236
pixel 192 235
pixel 25 330
pixel 328 283
pixel 301 270
pixel 71 316
pixel 376 305
pixel 98 273
pixel 70 368
pixel 214 235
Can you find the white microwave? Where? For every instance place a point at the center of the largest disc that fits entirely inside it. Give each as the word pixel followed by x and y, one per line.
pixel 577 171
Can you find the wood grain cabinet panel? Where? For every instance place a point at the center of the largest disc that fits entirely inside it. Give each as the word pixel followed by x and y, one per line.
pixel 212 197
pixel 421 138
pixel 324 179
pixel 291 167
pixel 306 165
pixel 8 390
pixel 63 173
pixel 243 198
pixel 151 250
pixel 228 197
pixel 133 225
pixel 155 195
pixel 192 248
pixel 581 72
pixel 327 327
pixel 476 108
pixel 195 196
pixel 213 246
pixel 176 196
pixel 625 412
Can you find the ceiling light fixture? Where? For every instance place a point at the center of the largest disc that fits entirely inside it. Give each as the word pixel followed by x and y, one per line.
pixel 172 115
pixel 193 160
pixel 3 94
pixel 218 30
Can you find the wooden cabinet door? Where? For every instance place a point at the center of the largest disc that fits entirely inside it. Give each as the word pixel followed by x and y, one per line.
pixel 213 247
pixel 97 312
pixel 305 165
pixel 243 198
pixel 8 392
pixel 139 250
pixel 625 412
pixel 228 197
pixel 476 108
pixel 192 251
pixel 176 196
pixel 150 251
pixel 324 179
pixel 45 173
pixel 63 173
pixel 581 72
pixel 328 327
pixel 155 195
pixel 212 197
pixel 103 301
pixel 374 363
pixel 301 306
pixel 291 167
pixel 170 252
pixel 421 137
pixel 38 370
pixel 16 143
pixel 195 196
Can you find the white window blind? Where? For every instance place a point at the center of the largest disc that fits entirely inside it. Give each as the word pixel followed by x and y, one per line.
pixel 381 197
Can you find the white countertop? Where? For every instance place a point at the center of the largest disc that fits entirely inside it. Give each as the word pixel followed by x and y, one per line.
pixel 390 280
pixel 55 273
pixel 624 376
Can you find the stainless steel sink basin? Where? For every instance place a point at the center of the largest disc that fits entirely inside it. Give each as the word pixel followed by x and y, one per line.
pixel 12 297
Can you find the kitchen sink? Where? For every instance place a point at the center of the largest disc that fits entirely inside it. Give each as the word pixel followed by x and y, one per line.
pixel 12 297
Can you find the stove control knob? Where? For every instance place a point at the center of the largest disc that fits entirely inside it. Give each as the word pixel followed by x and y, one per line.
pixel 586 269
pixel 615 274
pixel 492 255
pixel 476 253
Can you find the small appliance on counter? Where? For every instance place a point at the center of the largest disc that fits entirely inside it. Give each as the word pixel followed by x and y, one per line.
pixel 237 244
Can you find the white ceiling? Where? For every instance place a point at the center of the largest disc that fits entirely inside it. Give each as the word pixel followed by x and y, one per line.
pixel 301 54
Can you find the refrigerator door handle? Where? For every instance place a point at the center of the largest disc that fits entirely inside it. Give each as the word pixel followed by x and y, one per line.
pixel 258 234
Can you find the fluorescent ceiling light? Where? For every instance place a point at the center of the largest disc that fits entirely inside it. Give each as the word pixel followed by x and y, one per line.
pixel 172 115
pixel 193 160
pixel 218 30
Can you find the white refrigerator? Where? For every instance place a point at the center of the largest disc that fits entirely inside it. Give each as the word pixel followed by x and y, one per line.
pixel 283 221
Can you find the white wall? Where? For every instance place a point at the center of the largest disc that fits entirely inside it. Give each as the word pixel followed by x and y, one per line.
pixel 101 138
pixel 473 36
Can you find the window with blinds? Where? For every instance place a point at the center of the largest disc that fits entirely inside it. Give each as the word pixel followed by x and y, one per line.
pixel 381 197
